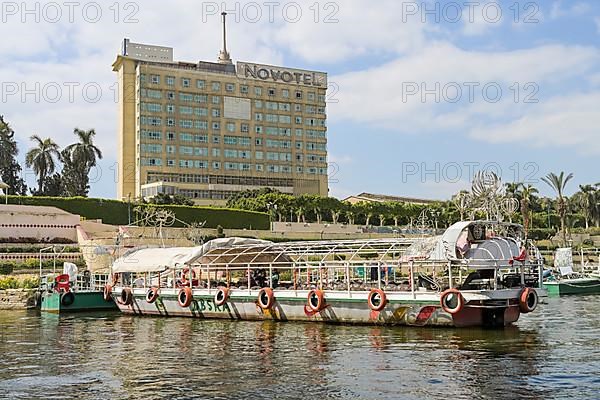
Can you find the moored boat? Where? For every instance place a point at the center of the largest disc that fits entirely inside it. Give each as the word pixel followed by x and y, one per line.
pixel 71 292
pixel 478 273
pixel 565 281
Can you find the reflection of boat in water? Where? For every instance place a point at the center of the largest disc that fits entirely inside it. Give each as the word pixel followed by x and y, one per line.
pixel 476 274
pixel 566 281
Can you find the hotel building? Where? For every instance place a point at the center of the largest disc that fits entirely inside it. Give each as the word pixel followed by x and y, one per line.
pixel 209 129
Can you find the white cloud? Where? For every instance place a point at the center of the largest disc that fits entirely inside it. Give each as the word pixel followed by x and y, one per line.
pixel 378 92
pixel 558 10
pixel 482 19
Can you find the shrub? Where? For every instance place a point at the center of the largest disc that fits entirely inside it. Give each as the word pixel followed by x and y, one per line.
pixel 10 282
pixel 6 267
pixel 116 212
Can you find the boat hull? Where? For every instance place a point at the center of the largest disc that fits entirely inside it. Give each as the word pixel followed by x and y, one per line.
pixel 82 301
pixel 342 307
pixel 573 286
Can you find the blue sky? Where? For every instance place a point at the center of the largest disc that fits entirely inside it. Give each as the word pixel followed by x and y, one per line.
pixel 385 134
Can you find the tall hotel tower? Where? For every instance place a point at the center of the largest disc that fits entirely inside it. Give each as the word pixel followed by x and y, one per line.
pixel 209 129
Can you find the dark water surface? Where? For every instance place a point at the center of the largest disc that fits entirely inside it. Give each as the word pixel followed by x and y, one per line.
pixel 551 354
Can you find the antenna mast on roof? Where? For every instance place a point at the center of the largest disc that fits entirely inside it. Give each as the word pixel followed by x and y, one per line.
pixel 224 57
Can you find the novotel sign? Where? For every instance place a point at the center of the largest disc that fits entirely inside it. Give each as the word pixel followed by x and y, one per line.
pixel 276 74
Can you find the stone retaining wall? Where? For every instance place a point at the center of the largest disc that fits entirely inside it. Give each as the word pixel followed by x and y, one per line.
pixel 17 299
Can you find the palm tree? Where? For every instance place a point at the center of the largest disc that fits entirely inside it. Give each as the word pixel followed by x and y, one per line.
pixel 83 155
pixel 558 183
pixel 586 199
pixel 41 158
pixel 526 193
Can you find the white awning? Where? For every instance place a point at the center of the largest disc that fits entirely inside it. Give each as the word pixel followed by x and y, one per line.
pixel 159 259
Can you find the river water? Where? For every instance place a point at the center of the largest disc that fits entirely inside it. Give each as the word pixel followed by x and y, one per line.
pixel 551 354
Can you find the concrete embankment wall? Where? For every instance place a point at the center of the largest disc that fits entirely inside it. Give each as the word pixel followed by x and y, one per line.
pixel 17 299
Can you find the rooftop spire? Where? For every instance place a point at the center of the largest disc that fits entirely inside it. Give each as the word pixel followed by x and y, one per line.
pixel 224 57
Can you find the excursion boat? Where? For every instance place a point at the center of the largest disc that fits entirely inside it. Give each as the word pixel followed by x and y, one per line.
pixel 478 273
pixel 72 292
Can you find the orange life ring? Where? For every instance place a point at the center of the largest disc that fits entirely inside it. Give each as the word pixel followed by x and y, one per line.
pixel 107 294
pixel 528 300
pixel 126 297
pixel 265 298
pixel 184 297
pixel 152 294
pixel 452 301
pixel 377 299
pixel 221 296
pixel 184 277
pixel 316 300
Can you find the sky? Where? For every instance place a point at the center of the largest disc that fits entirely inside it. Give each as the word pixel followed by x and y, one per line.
pixel 421 93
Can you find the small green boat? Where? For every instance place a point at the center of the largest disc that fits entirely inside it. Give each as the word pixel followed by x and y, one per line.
pixel 71 292
pixel 74 301
pixel 566 281
pixel 583 285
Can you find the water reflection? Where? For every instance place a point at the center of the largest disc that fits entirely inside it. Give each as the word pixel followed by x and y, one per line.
pixel 550 354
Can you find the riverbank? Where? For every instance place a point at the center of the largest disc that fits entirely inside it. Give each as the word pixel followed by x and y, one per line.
pixel 17 299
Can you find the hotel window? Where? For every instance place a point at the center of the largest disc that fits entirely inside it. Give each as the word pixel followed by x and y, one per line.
pixel 258 103
pixel 321 98
pixel 201 98
pixel 216 126
pixel 170 135
pixel 200 84
pixel 155 79
pixel 170 80
pixel 258 129
pixel 258 142
pixel 216 165
pixel 186 150
pixel 216 113
pixel 201 112
pixel 216 152
pixel 216 139
pixel 258 117
pixel 285 93
pixel 299 132
pixel 271 92
pixel 299 170
pixel 298 120
pixel 186 137
pixel 258 155
pixel 153 121
pixel 230 127
pixel 201 151
pixel 171 95
pixel 201 138
pixel 216 99
pixel 151 135
pixel 170 121
pixel 271 118
pixel 259 167
pixel 186 110
pixel 298 94
pixel 299 145
pixel 297 108
pixel 171 149
pixel 310 96
pixel 170 163
pixel 284 106
pixel 257 91
pixel 243 89
pixel 285 119
pixel 185 82
pixel 244 128
pixel 170 108
pixel 230 153
pixel 216 86
pixel 229 87
pixel 200 164
pixel 298 157
pixel 203 125
pixel 187 97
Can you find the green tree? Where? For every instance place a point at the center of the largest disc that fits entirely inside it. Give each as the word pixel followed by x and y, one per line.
pixel 83 155
pixel 526 193
pixel 587 200
pixel 42 159
pixel 558 183
pixel 10 170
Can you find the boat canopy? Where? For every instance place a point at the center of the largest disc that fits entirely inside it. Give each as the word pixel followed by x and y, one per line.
pixel 159 259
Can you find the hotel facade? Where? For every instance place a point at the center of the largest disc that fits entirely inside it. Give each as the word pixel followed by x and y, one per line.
pixel 207 130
